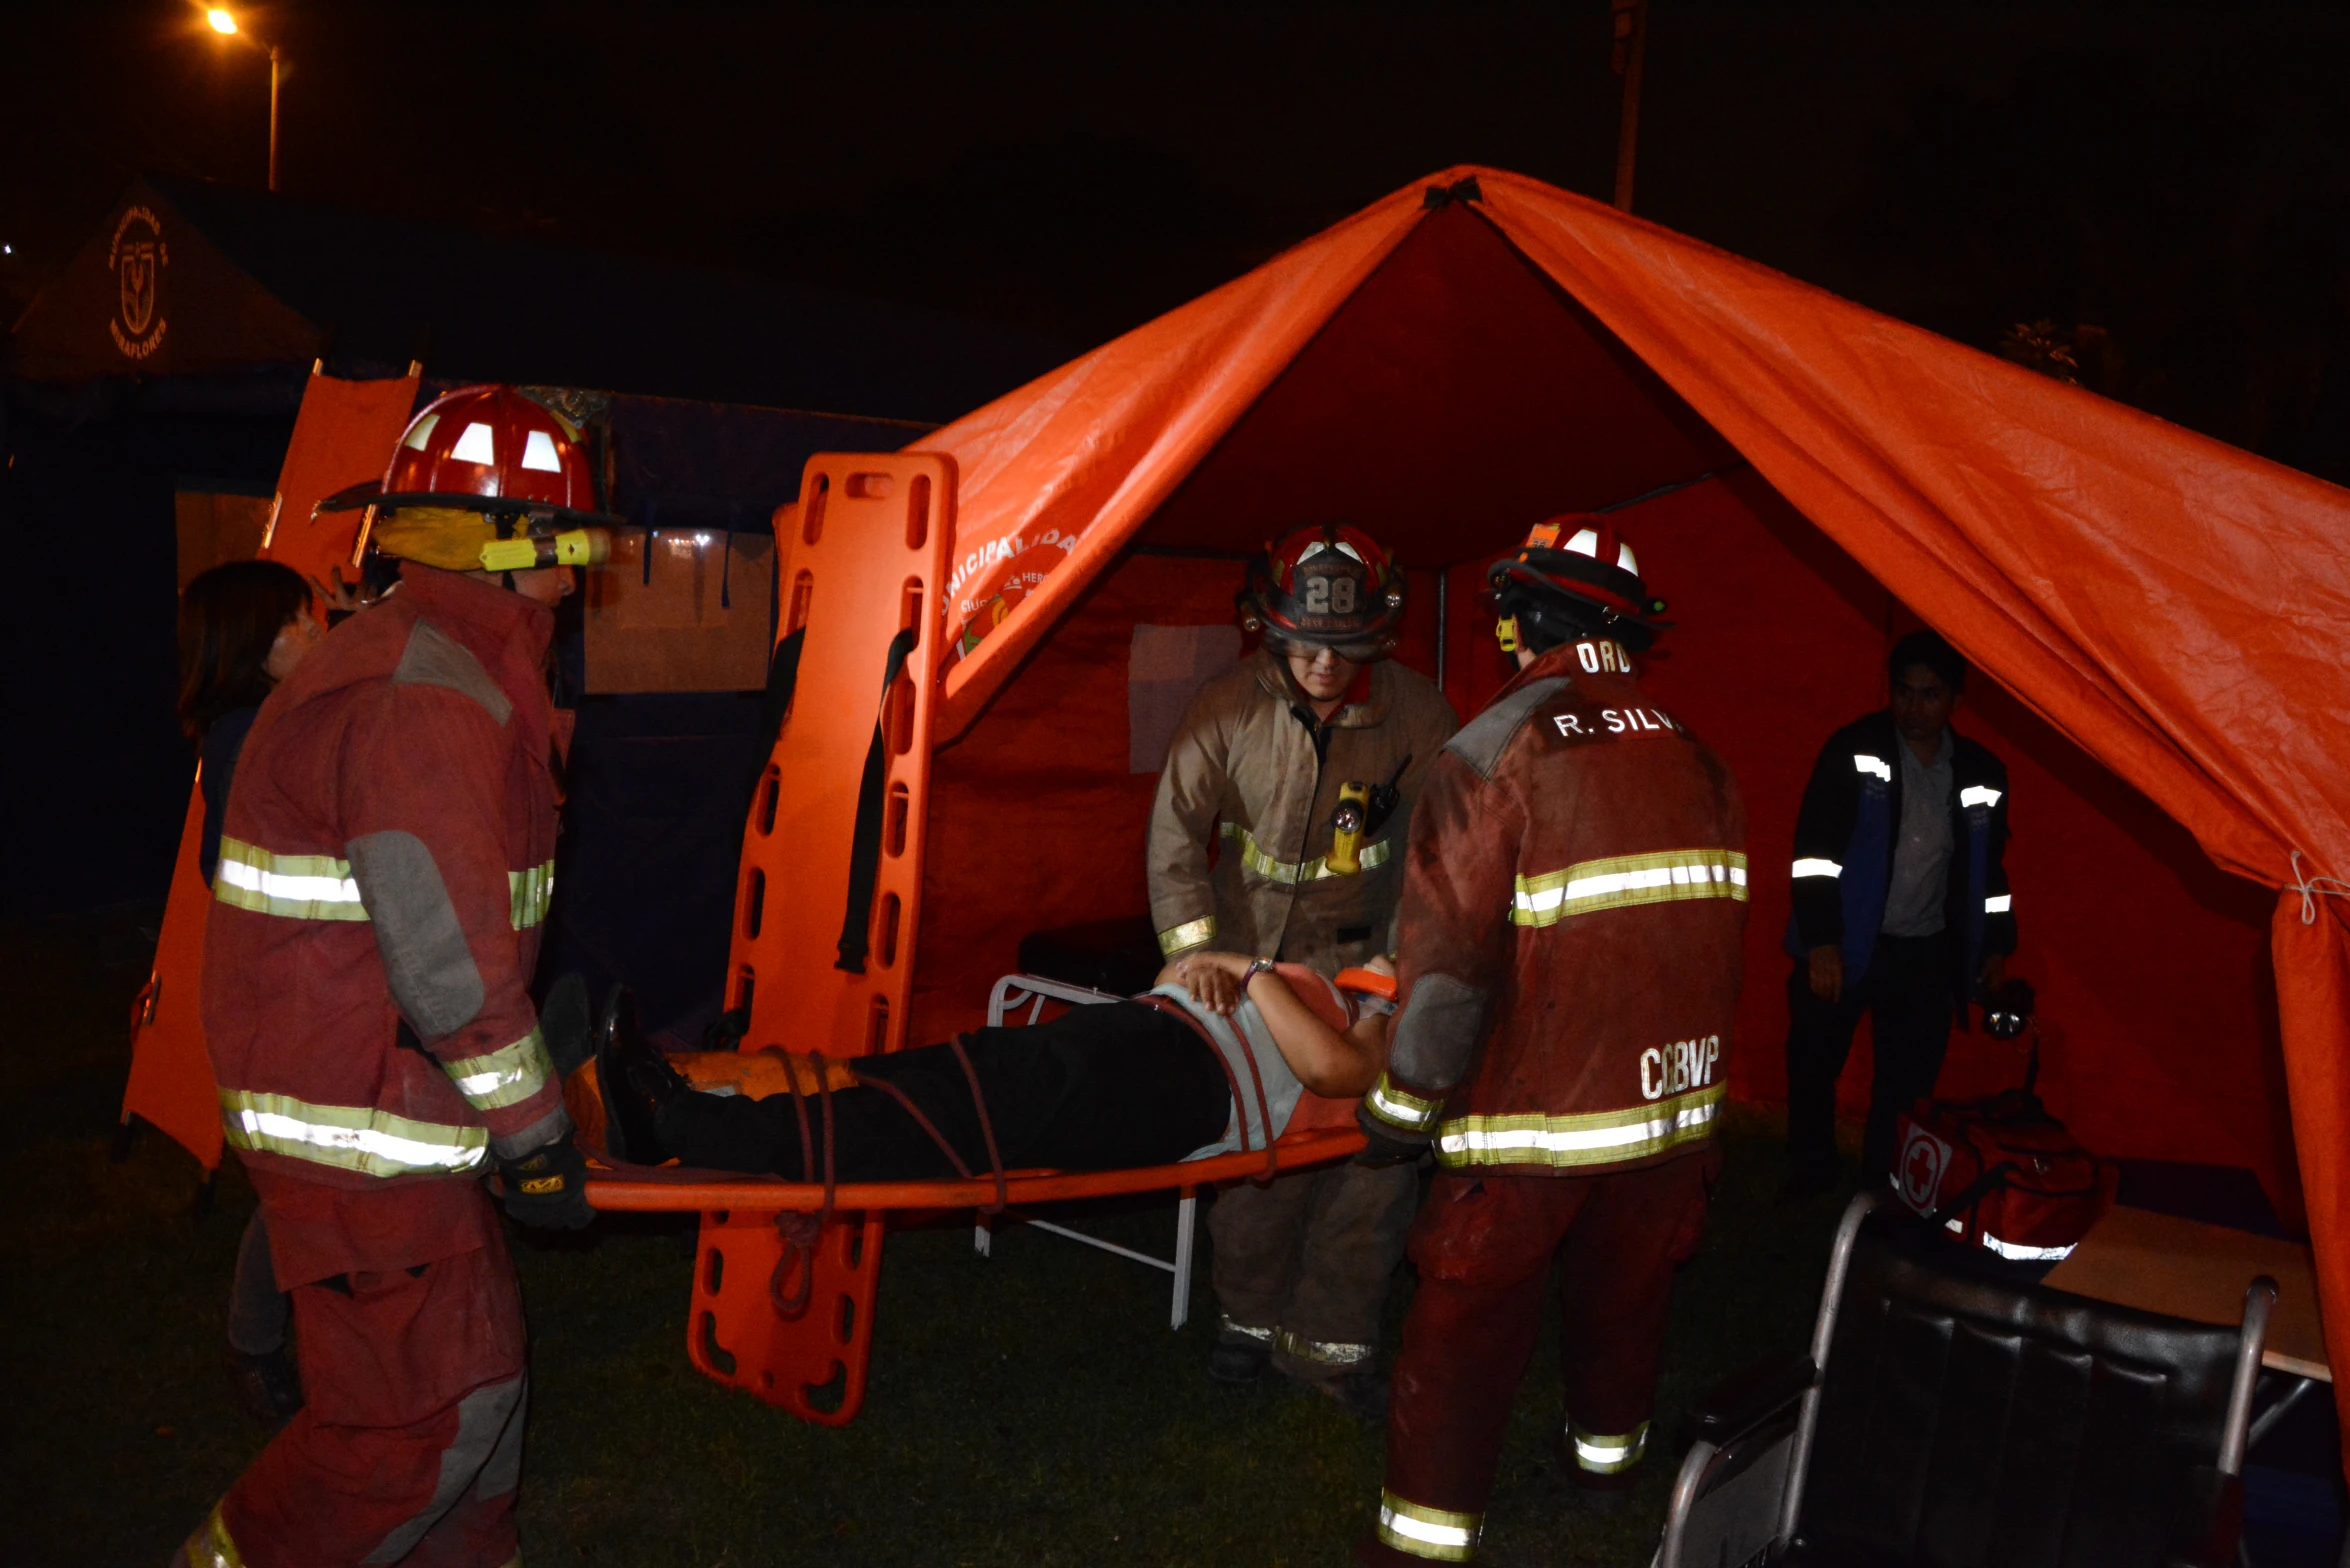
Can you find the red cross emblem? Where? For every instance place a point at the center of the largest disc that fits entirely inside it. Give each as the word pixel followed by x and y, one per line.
pixel 1924 1158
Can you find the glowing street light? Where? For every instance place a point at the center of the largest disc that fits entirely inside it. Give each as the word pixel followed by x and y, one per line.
pixel 224 22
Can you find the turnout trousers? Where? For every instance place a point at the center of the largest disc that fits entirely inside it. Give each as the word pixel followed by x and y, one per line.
pixel 410 1445
pixel 1907 995
pixel 1302 1264
pixel 1484 1246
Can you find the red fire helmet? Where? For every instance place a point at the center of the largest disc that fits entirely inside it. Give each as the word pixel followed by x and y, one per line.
pixel 490 444
pixel 1576 559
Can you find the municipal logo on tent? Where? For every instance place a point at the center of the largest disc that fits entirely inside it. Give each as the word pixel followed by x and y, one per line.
pixel 138 257
pixel 1918 1172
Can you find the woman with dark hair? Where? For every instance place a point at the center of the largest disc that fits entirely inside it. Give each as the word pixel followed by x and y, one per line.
pixel 243 627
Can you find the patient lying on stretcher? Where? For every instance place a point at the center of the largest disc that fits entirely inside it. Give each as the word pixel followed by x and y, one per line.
pixel 1212 1060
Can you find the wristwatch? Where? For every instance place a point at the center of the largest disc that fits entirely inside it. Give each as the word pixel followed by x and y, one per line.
pixel 1256 967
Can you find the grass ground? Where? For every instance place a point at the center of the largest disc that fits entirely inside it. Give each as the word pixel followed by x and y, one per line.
pixel 1030 1408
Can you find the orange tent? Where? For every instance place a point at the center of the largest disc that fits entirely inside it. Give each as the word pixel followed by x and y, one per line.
pixel 2165 614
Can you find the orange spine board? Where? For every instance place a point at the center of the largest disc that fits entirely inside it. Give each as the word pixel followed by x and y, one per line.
pixel 862 558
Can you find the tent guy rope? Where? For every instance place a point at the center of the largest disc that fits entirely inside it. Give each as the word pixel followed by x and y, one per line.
pixel 2313 888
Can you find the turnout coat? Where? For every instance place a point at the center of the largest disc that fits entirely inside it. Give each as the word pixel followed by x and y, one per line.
pixel 385 867
pixel 1253 772
pixel 1573 907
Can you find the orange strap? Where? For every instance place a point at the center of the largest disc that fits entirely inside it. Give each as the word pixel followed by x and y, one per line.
pixel 800 1233
pixel 906 1103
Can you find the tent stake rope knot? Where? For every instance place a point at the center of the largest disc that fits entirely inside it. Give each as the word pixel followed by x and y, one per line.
pixel 2313 888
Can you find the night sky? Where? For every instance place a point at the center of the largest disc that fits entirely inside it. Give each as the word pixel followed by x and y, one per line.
pixel 2171 176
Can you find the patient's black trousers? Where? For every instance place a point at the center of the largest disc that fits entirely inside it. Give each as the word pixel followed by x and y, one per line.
pixel 1098 1088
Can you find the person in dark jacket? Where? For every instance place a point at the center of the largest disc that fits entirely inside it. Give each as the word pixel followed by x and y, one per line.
pixel 1901 906
pixel 242 629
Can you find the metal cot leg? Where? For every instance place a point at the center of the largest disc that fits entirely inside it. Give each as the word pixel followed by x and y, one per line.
pixel 1186 1222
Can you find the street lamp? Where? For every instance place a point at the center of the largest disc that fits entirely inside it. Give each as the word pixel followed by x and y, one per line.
pixel 225 23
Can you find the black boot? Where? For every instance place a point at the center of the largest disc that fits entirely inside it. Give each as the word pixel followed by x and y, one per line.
pixel 567 1023
pixel 1238 1358
pixel 1361 1393
pixel 635 1082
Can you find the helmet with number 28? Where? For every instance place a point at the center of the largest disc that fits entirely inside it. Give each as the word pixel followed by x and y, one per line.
pixel 1328 587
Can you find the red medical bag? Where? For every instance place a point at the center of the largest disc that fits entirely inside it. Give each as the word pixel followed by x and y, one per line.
pixel 2003 1174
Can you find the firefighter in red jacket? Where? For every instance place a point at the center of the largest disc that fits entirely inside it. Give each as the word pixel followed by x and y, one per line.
pixel 384 871
pixel 1573 901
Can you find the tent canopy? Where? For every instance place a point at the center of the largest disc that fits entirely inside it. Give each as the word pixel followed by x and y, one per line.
pixel 2164 615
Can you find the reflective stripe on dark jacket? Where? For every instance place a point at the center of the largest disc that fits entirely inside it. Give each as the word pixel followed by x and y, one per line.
pixel 1844 841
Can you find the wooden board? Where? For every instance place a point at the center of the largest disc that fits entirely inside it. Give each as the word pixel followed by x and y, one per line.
pixel 2190 1270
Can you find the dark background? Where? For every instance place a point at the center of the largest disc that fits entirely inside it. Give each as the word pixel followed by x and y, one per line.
pixel 2160 191
pixel 2171 176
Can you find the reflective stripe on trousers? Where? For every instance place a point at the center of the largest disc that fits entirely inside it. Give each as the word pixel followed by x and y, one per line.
pixel 1433 1533
pixel 1255 859
pixel 1620 881
pixel 1322 1352
pixel 1599 1138
pixel 210 1546
pixel 1603 1453
pixel 348 1137
pixel 1226 1326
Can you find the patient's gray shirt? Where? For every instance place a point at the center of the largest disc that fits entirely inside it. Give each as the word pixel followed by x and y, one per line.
pixel 1243 1038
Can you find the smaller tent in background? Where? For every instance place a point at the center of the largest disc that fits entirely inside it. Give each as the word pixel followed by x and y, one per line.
pixel 150 392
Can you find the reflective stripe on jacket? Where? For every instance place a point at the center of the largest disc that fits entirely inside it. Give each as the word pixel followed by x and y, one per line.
pixel 1254 774
pixel 1844 843
pixel 384 874
pixel 1573 903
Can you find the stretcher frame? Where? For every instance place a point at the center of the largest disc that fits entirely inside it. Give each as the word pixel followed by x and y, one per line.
pixel 786 1272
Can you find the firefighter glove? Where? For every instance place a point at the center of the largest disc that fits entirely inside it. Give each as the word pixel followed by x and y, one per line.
pixel 1384 1146
pixel 547 1187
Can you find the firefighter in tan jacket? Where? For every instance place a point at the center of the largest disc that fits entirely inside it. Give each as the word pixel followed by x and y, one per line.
pixel 1573 904
pixel 1278 832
